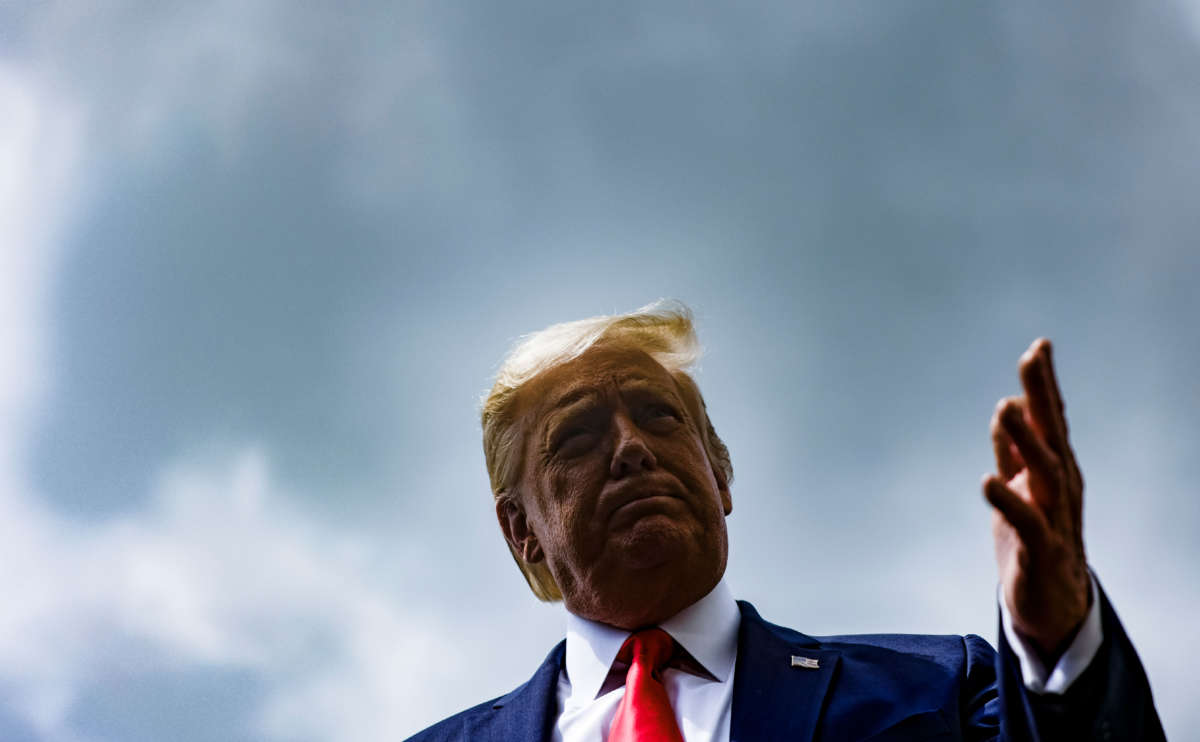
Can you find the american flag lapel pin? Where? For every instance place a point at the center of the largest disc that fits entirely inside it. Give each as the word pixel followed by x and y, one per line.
pixel 808 663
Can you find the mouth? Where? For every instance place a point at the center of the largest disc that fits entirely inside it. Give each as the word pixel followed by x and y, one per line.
pixel 644 506
pixel 636 501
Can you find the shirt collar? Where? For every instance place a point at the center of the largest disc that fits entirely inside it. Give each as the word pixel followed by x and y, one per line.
pixel 707 629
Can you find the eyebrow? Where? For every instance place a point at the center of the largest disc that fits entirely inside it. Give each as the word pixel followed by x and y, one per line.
pixel 561 410
pixel 636 383
pixel 570 398
pixel 645 384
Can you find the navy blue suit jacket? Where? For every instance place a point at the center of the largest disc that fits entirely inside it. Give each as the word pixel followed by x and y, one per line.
pixel 872 687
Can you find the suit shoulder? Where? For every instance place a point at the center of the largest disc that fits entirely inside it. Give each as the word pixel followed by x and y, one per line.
pixel 523 706
pixel 453 727
pixel 957 654
pixel 931 645
pixel 970 646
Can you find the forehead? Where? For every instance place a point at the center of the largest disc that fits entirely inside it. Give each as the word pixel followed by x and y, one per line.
pixel 597 369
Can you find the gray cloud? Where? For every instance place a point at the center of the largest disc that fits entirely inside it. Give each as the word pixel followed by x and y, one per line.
pixel 318 230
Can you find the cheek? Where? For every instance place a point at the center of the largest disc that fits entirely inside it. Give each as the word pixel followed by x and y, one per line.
pixel 574 491
pixel 697 469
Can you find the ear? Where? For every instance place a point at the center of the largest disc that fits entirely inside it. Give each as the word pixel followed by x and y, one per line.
pixel 517 532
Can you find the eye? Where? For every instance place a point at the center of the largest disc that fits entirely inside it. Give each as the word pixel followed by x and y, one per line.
pixel 660 416
pixel 573 441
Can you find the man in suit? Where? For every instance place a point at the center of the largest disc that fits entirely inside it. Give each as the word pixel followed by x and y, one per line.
pixel 611 488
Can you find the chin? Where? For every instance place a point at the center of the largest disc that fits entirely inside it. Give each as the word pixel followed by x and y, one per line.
pixel 655 541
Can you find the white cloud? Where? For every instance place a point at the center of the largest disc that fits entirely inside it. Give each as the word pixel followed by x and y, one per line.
pixel 218 572
pixel 39 148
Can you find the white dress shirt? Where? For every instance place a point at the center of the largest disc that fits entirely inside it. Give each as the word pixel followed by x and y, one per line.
pixel 588 694
pixel 707 630
pixel 1073 661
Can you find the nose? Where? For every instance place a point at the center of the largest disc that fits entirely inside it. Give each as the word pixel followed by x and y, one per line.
pixel 631 455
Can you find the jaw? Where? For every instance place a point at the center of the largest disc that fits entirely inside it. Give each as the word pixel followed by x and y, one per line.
pixel 653 579
pixel 648 602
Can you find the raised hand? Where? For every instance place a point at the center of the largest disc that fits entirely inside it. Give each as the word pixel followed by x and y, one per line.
pixel 1037 497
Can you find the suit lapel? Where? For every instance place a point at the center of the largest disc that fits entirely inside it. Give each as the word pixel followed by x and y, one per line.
pixel 528 713
pixel 772 699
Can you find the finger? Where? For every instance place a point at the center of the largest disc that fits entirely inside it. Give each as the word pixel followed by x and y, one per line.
pixel 1052 383
pixel 1065 453
pixel 1008 459
pixel 1044 470
pixel 1043 398
pixel 1059 440
pixel 1023 517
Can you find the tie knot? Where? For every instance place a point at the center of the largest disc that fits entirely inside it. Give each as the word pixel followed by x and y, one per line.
pixel 651 648
pixel 645 712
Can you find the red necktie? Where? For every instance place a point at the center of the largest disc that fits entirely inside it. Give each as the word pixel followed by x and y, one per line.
pixel 644 714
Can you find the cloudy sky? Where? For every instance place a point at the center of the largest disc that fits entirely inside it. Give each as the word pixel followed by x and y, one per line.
pixel 259 259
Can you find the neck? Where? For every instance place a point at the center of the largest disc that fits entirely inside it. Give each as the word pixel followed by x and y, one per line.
pixel 638 603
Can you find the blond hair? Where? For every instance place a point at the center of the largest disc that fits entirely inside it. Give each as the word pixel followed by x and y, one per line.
pixel 663 330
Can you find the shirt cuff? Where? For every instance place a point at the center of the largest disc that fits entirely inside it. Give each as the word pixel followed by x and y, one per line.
pixel 1073 661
